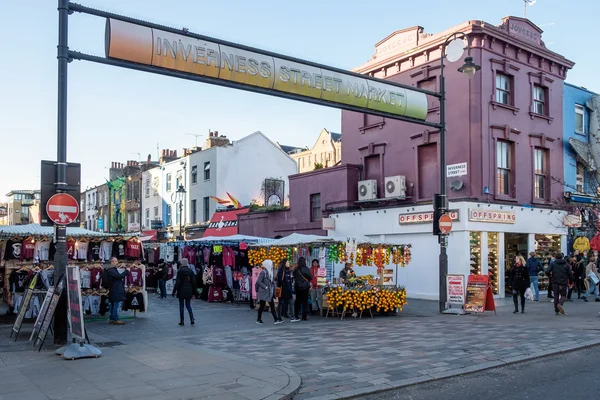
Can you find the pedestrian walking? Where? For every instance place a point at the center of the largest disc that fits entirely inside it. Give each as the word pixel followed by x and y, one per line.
pixel 302 279
pixel 534 267
pixel 561 273
pixel 285 282
pixel 592 277
pixel 185 289
pixel 571 262
pixel 116 296
pixel 579 273
pixel 519 280
pixel 163 274
pixel 549 275
pixel 316 294
pixel 265 291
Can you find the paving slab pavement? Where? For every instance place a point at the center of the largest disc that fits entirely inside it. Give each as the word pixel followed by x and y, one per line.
pixel 226 355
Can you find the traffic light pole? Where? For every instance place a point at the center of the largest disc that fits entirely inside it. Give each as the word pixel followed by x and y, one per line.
pixel 60 258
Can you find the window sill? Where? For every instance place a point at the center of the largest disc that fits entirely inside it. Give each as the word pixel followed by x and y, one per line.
pixel 372 126
pixel 581 133
pixel 540 116
pixel 542 202
pixel 503 197
pixel 514 109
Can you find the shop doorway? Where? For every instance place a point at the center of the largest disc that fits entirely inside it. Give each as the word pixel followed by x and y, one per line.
pixel 514 244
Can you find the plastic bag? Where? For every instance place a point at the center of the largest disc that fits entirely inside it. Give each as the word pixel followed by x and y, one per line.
pixel 529 294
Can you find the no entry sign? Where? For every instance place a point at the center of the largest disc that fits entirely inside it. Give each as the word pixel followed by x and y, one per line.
pixel 445 224
pixel 62 209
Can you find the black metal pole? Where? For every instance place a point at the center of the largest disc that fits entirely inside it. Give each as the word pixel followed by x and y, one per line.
pixel 180 219
pixel 443 239
pixel 60 258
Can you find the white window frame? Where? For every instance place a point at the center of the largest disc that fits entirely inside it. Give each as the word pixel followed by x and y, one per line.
pixel 580 110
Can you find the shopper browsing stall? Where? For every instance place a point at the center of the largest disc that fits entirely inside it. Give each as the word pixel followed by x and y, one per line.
pixel 302 279
pixel 285 283
pixel 116 278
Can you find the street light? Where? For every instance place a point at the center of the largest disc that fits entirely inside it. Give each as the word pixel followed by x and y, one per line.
pixel 469 68
pixel 180 193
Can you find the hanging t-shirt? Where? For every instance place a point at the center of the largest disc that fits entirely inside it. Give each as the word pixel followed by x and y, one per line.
pixel 13 250
pixel 95 277
pixel 71 249
pixel 106 251
pixel 42 251
pixel 133 249
pixel 2 249
pixel 119 250
pixel 27 250
pixel 134 301
pixel 94 251
pixel 135 277
pixel 170 254
pixel 82 250
pixel 47 277
pixel 85 278
pixel 18 281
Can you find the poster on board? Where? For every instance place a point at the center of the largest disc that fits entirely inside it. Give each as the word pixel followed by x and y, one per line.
pixel 455 289
pixel 74 302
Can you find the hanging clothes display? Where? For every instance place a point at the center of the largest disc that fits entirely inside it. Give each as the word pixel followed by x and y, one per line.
pixel 582 244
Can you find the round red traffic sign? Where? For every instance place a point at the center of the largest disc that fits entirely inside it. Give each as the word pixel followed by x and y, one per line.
pixel 62 209
pixel 445 224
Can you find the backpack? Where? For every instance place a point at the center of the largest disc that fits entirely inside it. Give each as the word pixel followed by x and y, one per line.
pixel 106 281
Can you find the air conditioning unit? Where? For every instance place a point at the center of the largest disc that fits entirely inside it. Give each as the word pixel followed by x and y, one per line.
pixel 395 186
pixel 367 190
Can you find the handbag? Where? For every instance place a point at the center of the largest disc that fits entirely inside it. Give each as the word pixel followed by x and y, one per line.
pixel 593 277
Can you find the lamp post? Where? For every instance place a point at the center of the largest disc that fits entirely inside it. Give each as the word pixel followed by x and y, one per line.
pixel 180 193
pixel 469 68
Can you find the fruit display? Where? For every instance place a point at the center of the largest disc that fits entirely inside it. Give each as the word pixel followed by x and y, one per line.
pixel 380 300
pixel 360 254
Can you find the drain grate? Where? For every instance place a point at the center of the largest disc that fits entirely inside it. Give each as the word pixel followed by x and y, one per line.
pixel 108 344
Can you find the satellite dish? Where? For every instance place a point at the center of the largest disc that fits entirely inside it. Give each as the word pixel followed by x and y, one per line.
pixel 457 184
pixel 455 50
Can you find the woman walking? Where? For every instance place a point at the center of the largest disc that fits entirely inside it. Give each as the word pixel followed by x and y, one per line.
pixel 285 282
pixel 592 278
pixel 265 292
pixel 519 279
pixel 185 288
pixel 302 278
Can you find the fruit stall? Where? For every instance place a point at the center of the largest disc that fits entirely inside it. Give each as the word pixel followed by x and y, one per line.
pixel 361 294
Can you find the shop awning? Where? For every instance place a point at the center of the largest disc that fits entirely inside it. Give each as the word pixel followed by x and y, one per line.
pixel 225 240
pixel 6 232
pixel 148 236
pixel 584 153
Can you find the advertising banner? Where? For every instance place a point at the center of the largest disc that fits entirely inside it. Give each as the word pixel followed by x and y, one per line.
pixel 455 289
pixel 24 306
pixel 143 45
pixel 75 308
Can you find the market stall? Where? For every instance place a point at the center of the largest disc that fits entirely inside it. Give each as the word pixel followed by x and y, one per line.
pixel 27 251
pixel 377 292
pixel 223 270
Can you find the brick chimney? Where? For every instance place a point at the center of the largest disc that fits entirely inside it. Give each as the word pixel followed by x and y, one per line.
pixel 116 170
pixel 168 155
pixel 214 140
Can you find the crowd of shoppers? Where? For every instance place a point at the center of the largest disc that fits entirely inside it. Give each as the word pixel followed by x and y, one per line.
pixel 579 273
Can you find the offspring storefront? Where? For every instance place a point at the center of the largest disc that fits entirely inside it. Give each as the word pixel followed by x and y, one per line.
pixel 485 239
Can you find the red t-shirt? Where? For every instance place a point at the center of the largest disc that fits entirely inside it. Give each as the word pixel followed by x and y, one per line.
pixel 135 277
pixel 133 249
pixel 95 277
pixel 70 248
pixel 27 250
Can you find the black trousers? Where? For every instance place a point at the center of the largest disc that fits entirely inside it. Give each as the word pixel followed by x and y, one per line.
pixel 516 294
pixel 261 308
pixel 580 286
pixel 301 301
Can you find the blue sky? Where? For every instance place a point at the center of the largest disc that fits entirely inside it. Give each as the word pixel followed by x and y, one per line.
pixel 114 114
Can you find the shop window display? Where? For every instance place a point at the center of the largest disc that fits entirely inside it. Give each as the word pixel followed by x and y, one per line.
pixel 475 251
pixel 546 246
pixel 493 261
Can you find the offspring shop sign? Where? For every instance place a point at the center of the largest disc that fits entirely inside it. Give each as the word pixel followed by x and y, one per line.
pixel 503 217
pixel 423 217
pixel 154 47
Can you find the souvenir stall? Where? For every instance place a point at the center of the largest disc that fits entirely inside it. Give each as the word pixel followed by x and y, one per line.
pixel 221 264
pixel 373 293
pixel 28 250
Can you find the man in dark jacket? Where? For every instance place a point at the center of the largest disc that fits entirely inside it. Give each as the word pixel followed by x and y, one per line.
pixel 116 295
pixel 302 278
pixel 163 277
pixel 534 267
pixel 561 273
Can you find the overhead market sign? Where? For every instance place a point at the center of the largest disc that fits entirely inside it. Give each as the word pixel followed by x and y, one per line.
pixel 153 47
